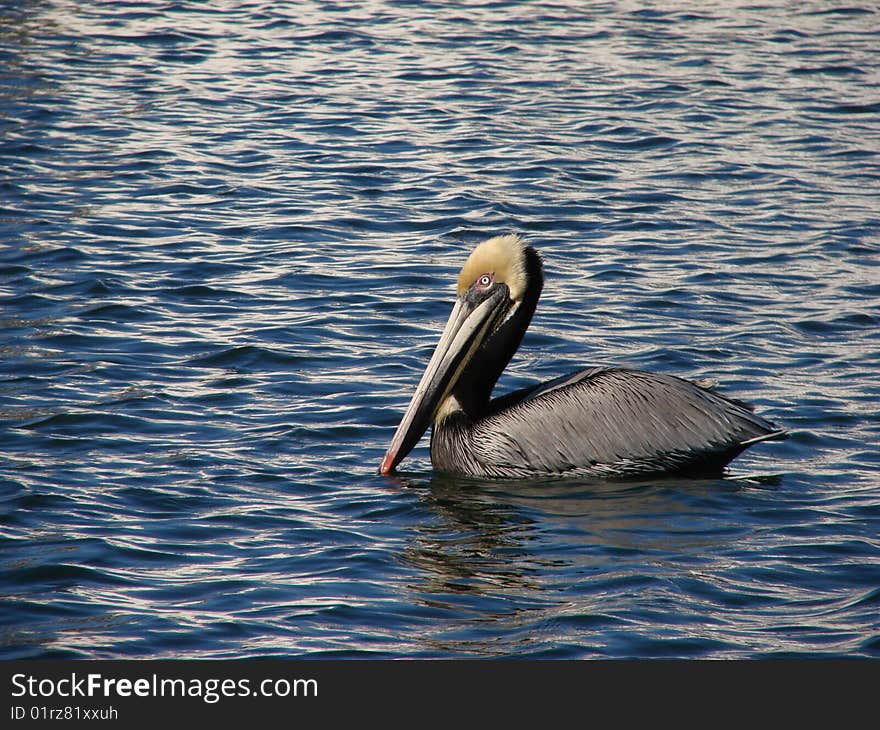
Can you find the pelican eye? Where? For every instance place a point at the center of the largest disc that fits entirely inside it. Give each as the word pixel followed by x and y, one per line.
pixel 485 281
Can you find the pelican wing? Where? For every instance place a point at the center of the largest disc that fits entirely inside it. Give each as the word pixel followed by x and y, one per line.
pixel 615 421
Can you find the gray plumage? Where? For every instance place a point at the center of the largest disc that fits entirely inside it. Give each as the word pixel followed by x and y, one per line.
pixel 601 422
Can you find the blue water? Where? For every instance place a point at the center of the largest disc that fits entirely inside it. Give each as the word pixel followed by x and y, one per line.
pixel 229 235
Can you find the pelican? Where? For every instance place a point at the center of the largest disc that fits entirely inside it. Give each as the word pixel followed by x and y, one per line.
pixel 606 422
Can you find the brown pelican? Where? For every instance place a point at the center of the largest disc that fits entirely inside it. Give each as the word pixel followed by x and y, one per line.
pixel 602 422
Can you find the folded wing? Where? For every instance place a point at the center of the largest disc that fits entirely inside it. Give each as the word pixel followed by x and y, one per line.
pixel 616 421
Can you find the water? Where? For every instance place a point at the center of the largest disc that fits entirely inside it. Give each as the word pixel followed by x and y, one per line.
pixel 229 239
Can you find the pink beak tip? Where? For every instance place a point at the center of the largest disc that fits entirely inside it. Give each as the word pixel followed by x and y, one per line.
pixel 386 466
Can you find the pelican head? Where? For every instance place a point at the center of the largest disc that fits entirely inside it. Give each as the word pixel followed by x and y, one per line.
pixel 497 292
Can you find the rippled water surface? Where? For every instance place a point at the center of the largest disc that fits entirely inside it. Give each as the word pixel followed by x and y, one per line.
pixel 229 234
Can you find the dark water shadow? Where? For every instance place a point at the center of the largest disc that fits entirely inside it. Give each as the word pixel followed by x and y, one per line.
pixel 486 533
pixel 520 568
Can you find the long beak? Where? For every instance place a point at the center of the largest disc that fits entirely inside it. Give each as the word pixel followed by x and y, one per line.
pixel 465 331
